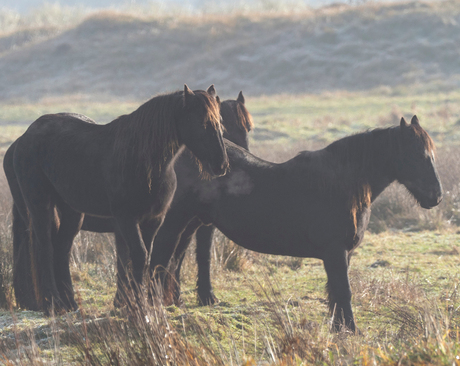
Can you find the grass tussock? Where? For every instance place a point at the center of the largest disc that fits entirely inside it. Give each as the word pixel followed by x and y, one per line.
pixel 260 320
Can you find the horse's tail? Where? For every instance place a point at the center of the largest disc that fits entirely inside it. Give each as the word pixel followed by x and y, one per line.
pixel 25 276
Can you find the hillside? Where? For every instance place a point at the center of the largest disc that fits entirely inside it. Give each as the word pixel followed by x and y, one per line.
pixel 110 55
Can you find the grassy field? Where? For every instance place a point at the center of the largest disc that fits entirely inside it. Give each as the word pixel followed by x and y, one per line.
pixel 272 309
pixel 305 119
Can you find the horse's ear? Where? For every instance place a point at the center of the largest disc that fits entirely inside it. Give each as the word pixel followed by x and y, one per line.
pixel 240 97
pixel 218 100
pixel 414 121
pixel 211 91
pixel 187 94
pixel 403 122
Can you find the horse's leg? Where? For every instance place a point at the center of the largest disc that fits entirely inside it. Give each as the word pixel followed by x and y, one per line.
pixel 123 263
pixel 42 216
pixel 172 284
pixel 204 237
pixel 25 287
pixel 166 240
pixel 132 251
pixel 70 223
pixel 148 231
pixel 339 292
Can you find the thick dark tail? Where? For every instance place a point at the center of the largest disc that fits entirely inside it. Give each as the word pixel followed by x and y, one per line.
pixel 25 278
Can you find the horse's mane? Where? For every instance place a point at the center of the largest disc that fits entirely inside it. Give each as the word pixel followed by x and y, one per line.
pixel 239 114
pixel 355 158
pixel 359 154
pixel 149 134
pixel 426 139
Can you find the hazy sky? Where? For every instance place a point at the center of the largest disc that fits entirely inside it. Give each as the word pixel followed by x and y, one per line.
pixel 25 5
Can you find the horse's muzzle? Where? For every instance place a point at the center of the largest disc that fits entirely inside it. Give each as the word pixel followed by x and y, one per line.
pixel 432 200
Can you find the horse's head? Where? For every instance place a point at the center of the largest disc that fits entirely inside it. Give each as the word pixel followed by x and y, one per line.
pixel 200 129
pixel 236 120
pixel 416 164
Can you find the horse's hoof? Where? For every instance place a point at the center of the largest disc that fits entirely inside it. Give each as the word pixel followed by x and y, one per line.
pixel 209 299
pixel 55 308
pixel 118 303
pixel 71 306
pixel 178 300
pixel 346 329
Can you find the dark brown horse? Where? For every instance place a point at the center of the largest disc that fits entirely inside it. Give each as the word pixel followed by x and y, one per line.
pixel 122 170
pixel 315 205
pixel 237 123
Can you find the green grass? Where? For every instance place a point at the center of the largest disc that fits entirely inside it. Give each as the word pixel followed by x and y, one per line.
pixel 324 118
pixel 318 119
pixel 389 272
pixel 272 308
pixel 273 302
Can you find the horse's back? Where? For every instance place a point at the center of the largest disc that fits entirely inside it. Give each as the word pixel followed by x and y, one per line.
pixel 61 123
pixel 66 154
pixel 61 141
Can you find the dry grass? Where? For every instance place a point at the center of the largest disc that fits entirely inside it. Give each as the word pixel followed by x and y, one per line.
pixel 407 327
pixel 272 311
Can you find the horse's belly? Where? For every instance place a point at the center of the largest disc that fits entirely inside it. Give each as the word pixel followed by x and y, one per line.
pixel 271 239
pixel 90 201
pixel 293 228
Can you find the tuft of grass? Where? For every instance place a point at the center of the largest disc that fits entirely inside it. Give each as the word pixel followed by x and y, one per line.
pixel 407 310
pixel 230 256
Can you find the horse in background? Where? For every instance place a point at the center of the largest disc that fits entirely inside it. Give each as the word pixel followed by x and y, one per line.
pixel 237 122
pixel 315 205
pixel 123 170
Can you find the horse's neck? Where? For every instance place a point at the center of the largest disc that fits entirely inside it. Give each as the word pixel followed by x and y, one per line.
pixel 369 158
pixel 174 156
pixel 135 154
pixel 163 167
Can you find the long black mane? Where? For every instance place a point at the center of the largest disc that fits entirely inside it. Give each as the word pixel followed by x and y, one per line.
pixel 147 134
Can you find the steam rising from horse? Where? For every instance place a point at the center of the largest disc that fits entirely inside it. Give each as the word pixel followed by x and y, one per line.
pixel 315 205
pixel 122 170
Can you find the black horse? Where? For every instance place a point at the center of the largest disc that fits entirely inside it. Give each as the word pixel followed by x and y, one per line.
pixel 122 170
pixel 237 123
pixel 315 205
